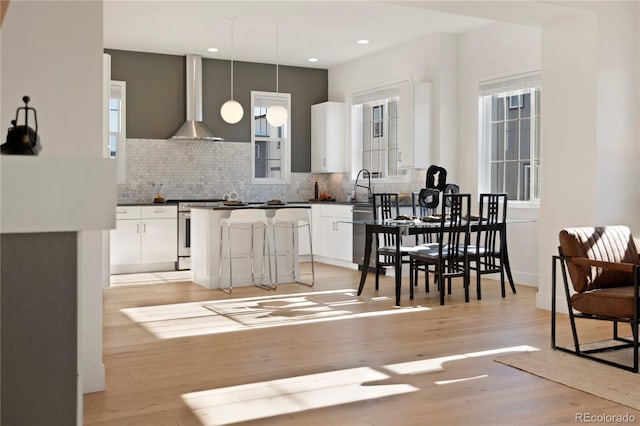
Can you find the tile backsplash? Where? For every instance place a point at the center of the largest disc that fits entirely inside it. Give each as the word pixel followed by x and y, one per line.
pixel 203 169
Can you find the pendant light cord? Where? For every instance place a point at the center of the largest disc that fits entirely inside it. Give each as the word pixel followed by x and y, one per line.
pixel 277 54
pixel 232 55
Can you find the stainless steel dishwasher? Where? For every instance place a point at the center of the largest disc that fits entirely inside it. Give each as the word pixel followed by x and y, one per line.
pixel 362 212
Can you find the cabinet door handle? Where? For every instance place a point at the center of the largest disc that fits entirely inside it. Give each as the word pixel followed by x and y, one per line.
pixel 159 211
pixel 121 211
pixel 324 162
pixel 144 228
pixel 399 156
pixel 137 228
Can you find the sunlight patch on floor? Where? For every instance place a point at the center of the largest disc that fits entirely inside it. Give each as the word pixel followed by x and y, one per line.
pixel 226 315
pixel 466 379
pixel 254 401
pixel 437 364
pixel 277 397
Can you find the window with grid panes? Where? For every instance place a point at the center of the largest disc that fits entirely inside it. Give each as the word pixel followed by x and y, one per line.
pixel 510 138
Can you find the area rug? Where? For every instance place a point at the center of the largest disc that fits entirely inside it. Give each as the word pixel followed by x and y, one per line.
pixel 604 381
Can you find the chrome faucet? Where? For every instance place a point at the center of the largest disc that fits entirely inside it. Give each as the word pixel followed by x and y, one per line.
pixel 356 185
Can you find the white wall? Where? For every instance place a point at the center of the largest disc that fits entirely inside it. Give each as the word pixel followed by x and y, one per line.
pixel 447 150
pixel 417 60
pixel 455 64
pixel 52 51
pixel 591 160
pixel 489 52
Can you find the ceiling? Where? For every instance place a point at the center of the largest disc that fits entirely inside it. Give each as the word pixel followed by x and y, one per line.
pixel 327 30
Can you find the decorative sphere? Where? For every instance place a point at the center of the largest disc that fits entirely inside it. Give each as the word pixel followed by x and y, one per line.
pixel 277 115
pixel 231 111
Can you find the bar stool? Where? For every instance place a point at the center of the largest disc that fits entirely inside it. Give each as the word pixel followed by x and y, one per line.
pixel 291 219
pixel 247 220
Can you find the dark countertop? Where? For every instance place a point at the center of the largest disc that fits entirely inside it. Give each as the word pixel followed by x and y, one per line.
pixel 260 204
pixel 146 204
pixel 257 206
pixel 343 202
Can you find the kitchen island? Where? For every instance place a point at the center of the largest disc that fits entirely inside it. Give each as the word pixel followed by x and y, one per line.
pixel 206 240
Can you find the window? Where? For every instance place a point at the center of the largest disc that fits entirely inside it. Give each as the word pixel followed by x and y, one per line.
pixel 270 145
pixel 509 159
pixel 375 117
pixel 117 127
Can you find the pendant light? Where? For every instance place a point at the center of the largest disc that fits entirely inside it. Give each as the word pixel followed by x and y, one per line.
pixel 277 114
pixel 231 111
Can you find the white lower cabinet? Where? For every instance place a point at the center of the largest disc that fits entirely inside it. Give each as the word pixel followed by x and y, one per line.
pixel 332 235
pixel 145 238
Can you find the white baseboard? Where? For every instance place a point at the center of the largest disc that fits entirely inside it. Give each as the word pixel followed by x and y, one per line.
pixel 93 378
pixel 143 267
pixel 543 301
pixel 335 262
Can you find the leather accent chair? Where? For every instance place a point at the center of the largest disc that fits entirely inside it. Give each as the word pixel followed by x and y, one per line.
pixel 604 269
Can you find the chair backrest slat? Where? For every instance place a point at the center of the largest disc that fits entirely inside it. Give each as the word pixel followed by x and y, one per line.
pixel 454 228
pixel 606 243
pixel 386 205
pixel 492 217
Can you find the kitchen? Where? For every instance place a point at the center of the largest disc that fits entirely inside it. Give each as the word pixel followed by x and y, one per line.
pixel 618 118
pixel 205 170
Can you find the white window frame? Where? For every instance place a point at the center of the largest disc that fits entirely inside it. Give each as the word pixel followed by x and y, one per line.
pixel 377 94
pixel 118 90
pixel 272 98
pixel 515 85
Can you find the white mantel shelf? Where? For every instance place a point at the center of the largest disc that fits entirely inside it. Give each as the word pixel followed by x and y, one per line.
pixel 56 194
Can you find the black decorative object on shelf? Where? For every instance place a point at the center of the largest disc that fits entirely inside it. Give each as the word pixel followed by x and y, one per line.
pixel 22 139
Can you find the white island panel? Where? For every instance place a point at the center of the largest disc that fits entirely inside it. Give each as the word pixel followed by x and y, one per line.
pixel 205 251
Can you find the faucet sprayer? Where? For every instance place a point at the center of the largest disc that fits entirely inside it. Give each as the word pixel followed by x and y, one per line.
pixel 356 185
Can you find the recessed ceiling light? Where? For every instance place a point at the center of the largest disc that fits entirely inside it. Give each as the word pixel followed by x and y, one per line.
pixel 363 41
pixel 212 49
pixel 312 59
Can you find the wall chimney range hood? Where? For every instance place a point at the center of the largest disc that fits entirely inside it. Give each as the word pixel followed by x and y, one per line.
pixel 194 128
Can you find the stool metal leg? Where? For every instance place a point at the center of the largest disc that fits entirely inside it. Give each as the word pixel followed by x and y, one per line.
pixel 266 255
pixel 313 270
pixel 265 243
pixel 275 250
pixel 230 288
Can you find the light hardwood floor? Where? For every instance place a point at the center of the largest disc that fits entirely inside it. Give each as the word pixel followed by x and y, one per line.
pixel 179 354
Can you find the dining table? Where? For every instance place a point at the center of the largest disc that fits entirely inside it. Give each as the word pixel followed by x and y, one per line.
pixel 400 228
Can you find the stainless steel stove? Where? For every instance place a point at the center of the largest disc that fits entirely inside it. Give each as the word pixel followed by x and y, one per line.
pixel 184 227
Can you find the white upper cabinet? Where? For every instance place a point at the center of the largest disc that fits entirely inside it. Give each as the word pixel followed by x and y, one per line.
pixel 414 140
pixel 327 137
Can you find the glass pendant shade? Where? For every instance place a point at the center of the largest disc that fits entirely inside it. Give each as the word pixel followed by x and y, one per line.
pixel 277 115
pixel 231 111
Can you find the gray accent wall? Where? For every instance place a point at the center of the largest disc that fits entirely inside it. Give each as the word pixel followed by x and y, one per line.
pixel 156 96
pixel 156 99
pixel 39 328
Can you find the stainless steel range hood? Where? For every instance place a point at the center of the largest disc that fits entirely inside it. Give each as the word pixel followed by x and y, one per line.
pixel 194 128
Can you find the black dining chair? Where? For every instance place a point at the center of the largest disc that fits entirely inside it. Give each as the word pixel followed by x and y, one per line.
pixel 449 255
pixel 387 206
pixel 424 203
pixel 487 255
